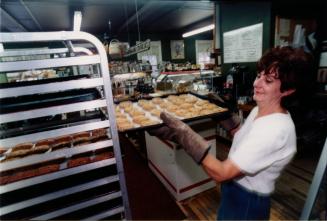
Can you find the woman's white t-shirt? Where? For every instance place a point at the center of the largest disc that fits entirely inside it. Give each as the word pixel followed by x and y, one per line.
pixel 262 148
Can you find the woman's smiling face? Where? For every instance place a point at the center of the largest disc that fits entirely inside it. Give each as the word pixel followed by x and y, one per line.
pixel 267 88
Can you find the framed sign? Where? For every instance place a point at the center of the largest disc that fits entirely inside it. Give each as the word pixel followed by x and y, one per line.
pixel 243 45
pixel 177 49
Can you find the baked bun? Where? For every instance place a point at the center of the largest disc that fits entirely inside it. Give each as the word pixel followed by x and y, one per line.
pixel 139 119
pixel 18 154
pixel 186 105
pixel 172 108
pixel 201 102
pixel 81 138
pixel 125 126
pixel 98 134
pixel 157 100
pixel 156 112
pixel 23 146
pixel 148 106
pixel 165 104
pixel 61 142
pixel 148 122
pixel 191 99
pixel 181 113
pixel 135 113
pixel 119 114
pixel 125 104
pixel 172 98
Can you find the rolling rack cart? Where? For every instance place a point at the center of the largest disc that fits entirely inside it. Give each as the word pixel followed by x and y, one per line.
pixel 60 155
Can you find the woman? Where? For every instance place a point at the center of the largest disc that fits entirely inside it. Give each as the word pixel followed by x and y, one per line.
pixel 261 147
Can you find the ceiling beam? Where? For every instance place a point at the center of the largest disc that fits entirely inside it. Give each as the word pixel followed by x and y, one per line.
pixel 17 27
pixel 30 14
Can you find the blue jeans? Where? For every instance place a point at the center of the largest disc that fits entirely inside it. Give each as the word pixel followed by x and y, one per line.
pixel 237 203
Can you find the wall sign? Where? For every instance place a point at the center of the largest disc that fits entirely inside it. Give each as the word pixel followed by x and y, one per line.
pixel 243 45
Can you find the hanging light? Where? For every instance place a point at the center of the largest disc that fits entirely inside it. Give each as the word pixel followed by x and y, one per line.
pixel 199 30
pixel 77 20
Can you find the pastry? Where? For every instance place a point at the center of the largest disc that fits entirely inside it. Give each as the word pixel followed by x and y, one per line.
pixel 139 119
pixel 148 122
pixel 135 113
pixel 172 97
pixel 17 154
pixel 79 160
pixel 177 101
pixel 125 126
pixel 202 102
pixel 48 168
pixel 142 101
pixel 61 142
pixel 148 106
pixel 172 108
pixel 165 104
pixel 98 134
pixel 81 138
pixel 41 146
pixel 125 104
pixel 103 156
pixel 157 100
pixel 186 106
pixel 181 113
pixel 23 146
pixel 119 114
pixel 191 99
pixel 156 112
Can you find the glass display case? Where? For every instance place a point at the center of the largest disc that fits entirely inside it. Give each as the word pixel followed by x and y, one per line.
pixel 199 81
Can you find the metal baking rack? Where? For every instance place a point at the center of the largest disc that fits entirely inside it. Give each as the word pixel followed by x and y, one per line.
pixel 95 190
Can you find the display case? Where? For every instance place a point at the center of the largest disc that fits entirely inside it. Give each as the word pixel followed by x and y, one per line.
pixel 60 153
pixel 199 81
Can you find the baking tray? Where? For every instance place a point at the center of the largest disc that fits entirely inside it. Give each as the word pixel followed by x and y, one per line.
pixel 215 116
pixel 42 81
pixel 29 102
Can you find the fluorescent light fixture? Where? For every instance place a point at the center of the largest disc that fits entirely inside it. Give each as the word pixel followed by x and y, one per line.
pixel 77 20
pixel 199 30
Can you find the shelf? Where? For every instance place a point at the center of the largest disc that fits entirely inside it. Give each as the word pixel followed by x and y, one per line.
pixel 106 214
pixel 51 87
pixel 61 109
pixel 79 206
pixel 64 153
pixel 48 63
pixel 53 133
pixel 96 181
pixel 55 195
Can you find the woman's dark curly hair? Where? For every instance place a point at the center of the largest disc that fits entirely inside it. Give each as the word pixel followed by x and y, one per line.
pixel 294 68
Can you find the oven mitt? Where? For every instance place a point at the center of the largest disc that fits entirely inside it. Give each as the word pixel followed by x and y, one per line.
pixel 163 132
pixel 231 123
pixel 193 143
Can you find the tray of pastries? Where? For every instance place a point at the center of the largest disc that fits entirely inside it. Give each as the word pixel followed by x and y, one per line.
pixel 42 147
pixel 146 113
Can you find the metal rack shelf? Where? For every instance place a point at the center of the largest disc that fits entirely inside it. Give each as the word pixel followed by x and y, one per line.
pixel 79 206
pixel 18 206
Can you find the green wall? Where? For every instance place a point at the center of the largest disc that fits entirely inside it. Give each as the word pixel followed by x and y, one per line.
pixel 234 15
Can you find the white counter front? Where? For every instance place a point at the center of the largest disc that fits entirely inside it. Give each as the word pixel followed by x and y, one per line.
pixel 175 168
